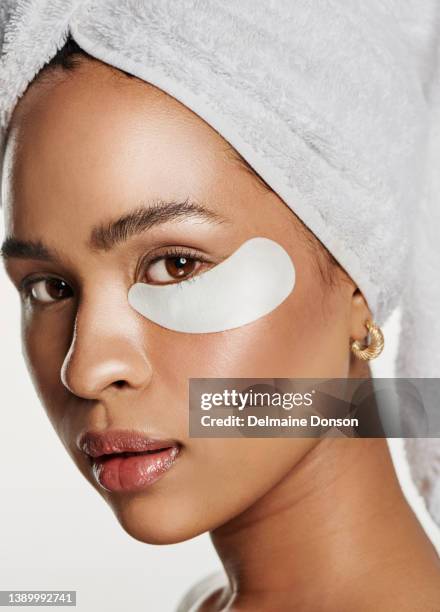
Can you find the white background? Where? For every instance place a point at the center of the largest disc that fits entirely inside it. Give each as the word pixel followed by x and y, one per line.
pixel 55 530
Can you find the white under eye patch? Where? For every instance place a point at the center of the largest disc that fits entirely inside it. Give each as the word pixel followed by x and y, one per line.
pixel 249 284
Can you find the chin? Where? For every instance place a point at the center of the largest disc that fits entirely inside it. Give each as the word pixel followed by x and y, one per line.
pixel 159 521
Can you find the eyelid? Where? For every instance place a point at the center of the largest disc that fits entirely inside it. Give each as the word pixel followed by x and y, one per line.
pixel 26 283
pixel 174 251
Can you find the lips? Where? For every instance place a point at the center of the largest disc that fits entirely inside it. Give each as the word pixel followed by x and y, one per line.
pixel 127 460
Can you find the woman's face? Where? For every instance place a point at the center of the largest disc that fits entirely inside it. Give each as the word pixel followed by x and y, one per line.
pixel 86 150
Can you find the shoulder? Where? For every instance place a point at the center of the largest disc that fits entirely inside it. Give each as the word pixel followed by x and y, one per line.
pixel 200 591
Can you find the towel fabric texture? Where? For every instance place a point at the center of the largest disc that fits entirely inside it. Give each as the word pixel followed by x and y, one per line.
pixel 335 104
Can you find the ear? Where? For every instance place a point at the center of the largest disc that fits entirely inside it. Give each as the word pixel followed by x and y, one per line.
pixel 360 313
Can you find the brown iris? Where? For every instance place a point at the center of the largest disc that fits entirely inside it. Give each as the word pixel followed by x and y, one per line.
pixel 179 266
pixel 57 289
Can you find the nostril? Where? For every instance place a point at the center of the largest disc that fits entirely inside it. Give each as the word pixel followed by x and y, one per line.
pixel 119 383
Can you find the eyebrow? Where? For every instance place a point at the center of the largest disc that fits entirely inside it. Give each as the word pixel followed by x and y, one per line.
pixel 105 236
pixel 26 249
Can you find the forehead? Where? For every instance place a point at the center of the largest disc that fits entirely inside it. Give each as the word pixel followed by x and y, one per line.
pixel 92 140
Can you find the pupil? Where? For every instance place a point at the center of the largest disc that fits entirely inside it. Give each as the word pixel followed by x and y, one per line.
pixel 181 261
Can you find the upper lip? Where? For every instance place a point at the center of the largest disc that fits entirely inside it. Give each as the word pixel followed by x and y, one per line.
pixel 96 444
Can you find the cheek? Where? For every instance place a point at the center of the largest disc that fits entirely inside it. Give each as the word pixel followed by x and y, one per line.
pixel 295 340
pixel 46 340
pixel 233 473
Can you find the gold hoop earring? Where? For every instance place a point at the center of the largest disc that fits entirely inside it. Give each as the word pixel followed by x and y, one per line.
pixel 374 348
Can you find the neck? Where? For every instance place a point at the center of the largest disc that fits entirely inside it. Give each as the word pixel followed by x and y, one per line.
pixel 323 534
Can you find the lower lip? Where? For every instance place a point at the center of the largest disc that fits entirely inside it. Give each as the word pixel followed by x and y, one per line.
pixel 135 472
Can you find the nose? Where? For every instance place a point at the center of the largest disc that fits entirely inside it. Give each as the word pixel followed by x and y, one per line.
pixel 106 351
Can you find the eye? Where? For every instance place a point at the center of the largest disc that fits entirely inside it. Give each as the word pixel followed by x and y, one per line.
pixel 173 265
pixel 171 268
pixel 48 290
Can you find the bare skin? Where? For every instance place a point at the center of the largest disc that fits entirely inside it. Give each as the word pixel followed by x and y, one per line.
pixel 299 524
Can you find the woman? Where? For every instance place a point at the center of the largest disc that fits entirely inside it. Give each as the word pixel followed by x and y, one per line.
pixel 109 181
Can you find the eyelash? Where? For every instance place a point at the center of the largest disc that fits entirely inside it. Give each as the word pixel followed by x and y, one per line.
pixel 176 252
pixel 27 284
